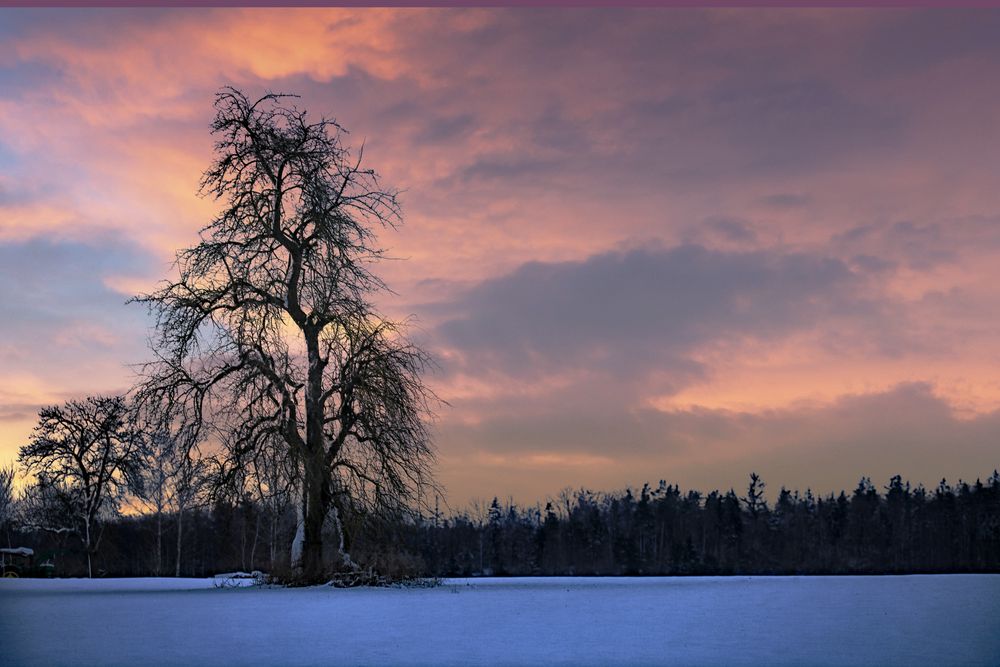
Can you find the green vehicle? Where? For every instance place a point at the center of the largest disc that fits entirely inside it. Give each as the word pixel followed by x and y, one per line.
pixel 21 562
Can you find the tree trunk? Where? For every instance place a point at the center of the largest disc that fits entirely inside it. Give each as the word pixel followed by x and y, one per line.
pixel 90 571
pixel 314 515
pixel 274 533
pixel 316 498
pixel 180 535
pixel 256 534
pixel 159 542
pixel 300 534
pixel 243 538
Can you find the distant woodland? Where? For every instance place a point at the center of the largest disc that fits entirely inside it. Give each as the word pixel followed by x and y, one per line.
pixel 653 530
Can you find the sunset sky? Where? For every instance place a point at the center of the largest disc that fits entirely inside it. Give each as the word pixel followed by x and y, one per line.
pixel 642 245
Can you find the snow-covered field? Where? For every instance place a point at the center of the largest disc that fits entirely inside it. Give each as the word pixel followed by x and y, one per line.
pixel 918 620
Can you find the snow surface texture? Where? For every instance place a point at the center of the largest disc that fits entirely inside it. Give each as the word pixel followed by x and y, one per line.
pixel 913 620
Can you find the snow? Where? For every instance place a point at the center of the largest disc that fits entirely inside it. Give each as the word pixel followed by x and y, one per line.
pixel 240 579
pixel 912 620
pixel 18 551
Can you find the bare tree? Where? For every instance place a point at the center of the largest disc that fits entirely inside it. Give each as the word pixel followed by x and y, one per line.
pixel 7 508
pixel 270 330
pixel 175 479
pixel 86 455
pixel 159 469
pixel 189 481
pixel 176 475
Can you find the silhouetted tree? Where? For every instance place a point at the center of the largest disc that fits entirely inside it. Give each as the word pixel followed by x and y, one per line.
pixel 270 330
pixel 7 474
pixel 86 455
pixel 755 502
pixel 190 481
pixel 158 469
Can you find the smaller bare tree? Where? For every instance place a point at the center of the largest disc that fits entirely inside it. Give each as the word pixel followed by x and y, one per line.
pixel 87 455
pixel 177 478
pixel 191 479
pixel 6 499
pixel 160 469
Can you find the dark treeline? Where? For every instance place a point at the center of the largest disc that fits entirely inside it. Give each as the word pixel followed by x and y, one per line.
pixel 660 530
pixel 665 530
